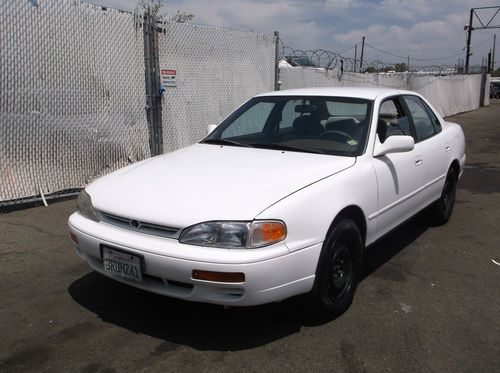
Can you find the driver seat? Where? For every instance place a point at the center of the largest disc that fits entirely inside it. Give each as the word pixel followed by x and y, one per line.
pixel 308 125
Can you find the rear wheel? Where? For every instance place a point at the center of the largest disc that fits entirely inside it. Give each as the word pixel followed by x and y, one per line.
pixel 440 211
pixel 338 271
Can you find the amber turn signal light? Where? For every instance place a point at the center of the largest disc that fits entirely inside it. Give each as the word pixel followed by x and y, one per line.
pixel 73 237
pixel 273 231
pixel 235 277
pixel 267 232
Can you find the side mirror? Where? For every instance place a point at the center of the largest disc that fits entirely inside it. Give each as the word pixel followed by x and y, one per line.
pixel 210 128
pixel 393 144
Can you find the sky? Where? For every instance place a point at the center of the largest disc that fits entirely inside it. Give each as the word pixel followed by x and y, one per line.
pixel 431 32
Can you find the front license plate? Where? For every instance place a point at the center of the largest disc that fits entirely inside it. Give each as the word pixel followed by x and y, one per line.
pixel 122 264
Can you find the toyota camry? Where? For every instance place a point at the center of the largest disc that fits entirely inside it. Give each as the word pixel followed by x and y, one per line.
pixel 280 199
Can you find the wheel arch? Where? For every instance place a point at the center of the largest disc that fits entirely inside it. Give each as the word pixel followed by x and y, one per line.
pixel 455 165
pixel 356 214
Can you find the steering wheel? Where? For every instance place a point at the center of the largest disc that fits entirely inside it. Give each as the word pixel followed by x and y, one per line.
pixel 335 134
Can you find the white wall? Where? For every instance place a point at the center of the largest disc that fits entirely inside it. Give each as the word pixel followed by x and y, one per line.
pixel 449 94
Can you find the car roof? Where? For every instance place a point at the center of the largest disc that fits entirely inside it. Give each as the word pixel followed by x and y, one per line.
pixel 368 93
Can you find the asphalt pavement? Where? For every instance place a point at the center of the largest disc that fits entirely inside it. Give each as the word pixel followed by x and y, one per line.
pixel 429 299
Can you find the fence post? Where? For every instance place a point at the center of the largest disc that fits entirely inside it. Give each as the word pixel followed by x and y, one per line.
pixel 484 98
pixel 152 77
pixel 276 61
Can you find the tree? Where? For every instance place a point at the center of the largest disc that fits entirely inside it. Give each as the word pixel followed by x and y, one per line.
pixel 400 67
pixel 154 6
pixel 370 69
pixel 496 72
pixel 181 17
pixel 151 6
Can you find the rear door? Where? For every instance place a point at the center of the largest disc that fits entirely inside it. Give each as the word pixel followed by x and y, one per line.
pixel 434 144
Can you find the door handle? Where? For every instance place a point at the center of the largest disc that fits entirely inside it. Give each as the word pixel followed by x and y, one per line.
pixel 418 162
pixel 447 149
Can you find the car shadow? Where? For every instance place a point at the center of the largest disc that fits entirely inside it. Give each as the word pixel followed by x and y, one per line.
pixel 389 246
pixel 211 327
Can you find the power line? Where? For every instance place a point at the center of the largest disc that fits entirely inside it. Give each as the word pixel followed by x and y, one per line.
pixel 425 59
pixel 383 51
pixel 347 50
pixel 484 41
pixel 439 58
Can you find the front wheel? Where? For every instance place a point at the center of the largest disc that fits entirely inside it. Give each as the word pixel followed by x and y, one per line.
pixel 338 271
pixel 440 211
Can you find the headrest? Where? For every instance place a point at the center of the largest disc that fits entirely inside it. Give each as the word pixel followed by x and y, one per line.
pixel 307 124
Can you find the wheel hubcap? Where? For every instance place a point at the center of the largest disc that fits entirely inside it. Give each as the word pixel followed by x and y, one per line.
pixel 340 273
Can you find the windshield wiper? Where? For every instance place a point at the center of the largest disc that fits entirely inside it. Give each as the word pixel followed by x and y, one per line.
pixel 278 146
pixel 225 142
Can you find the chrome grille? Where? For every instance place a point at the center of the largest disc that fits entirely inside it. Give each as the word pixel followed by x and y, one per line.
pixel 140 226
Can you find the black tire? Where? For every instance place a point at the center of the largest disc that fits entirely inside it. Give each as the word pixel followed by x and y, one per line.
pixel 338 271
pixel 440 211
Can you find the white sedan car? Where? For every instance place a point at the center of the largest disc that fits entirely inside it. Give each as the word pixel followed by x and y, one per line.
pixel 280 199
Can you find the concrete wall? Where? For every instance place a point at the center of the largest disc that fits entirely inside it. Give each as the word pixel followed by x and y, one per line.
pixel 449 94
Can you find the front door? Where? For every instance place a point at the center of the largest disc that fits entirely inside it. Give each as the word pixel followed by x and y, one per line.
pixel 400 176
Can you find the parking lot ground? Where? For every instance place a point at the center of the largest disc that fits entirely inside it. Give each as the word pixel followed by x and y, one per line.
pixel 429 300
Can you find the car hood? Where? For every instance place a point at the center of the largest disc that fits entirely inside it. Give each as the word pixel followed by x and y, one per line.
pixel 209 182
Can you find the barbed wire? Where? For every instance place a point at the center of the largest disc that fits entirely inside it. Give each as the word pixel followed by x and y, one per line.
pixel 329 60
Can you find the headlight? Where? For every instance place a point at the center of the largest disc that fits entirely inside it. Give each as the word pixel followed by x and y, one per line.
pixel 84 206
pixel 234 235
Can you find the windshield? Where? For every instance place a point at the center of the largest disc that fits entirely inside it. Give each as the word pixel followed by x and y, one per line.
pixel 326 125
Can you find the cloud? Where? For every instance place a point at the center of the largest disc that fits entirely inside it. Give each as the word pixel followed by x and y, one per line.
pixel 421 28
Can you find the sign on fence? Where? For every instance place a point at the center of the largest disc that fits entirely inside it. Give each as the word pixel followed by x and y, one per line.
pixel 168 77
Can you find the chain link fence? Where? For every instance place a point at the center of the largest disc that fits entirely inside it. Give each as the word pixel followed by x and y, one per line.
pixel 85 90
pixel 71 97
pixel 216 70
pixel 79 98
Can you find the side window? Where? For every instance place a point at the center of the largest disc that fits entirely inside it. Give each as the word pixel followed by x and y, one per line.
pixel 392 119
pixel 251 121
pixel 435 120
pixel 424 126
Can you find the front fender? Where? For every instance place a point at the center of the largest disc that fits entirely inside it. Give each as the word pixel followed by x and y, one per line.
pixel 309 212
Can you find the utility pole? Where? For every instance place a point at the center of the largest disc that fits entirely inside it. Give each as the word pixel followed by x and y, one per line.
pixel 483 24
pixel 493 56
pixel 469 34
pixel 408 64
pixel 488 70
pixel 355 56
pixel 362 51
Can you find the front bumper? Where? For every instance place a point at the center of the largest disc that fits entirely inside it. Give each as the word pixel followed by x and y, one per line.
pixel 271 273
